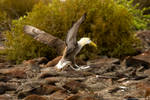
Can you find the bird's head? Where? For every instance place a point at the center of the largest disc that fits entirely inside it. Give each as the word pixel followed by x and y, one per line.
pixel 85 40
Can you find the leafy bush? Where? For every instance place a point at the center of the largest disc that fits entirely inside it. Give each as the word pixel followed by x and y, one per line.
pixel 107 23
pixel 4 21
pixel 140 21
pixel 143 4
pixel 21 46
pixel 17 8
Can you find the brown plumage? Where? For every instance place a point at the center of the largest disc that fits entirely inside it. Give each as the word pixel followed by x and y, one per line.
pixel 73 46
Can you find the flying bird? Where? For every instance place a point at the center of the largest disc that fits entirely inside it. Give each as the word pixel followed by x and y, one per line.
pixel 73 47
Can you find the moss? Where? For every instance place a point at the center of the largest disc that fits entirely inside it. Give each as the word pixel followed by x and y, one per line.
pixel 108 24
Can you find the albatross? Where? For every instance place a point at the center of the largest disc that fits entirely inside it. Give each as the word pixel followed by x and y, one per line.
pixel 73 47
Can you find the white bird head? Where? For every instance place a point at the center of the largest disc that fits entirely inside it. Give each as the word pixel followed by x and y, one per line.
pixel 85 40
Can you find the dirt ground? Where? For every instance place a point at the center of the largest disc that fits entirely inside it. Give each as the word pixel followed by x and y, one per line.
pixel 106 79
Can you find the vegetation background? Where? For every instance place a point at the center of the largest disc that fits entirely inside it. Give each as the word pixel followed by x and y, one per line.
pixel 112 24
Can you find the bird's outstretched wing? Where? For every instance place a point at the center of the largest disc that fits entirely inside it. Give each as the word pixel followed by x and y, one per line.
pixel 45 38
pixel 71 40
pixel 32 30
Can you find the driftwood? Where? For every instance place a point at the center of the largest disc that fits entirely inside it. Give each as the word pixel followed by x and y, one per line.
pixel 45 38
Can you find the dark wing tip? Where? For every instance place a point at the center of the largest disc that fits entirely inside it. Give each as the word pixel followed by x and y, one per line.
pixel 83 17
pixel 85 14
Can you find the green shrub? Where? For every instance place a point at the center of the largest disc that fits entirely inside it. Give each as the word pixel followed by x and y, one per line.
pixel 17 8
pixel 143 4
pixel 140 21
pixel 22 47
pixel 108 24
pixel 4 21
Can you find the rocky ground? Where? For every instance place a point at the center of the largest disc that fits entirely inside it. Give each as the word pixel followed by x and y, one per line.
pixel 106 79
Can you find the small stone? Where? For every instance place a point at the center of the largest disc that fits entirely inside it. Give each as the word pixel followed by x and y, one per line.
pixel 4 78
pixel 53 62
pixel 80 97
pixel 122 79
pixel 46 89
pixel 48 74
pixel 3 88
pixel 147 72
pixel 130 98
pixel 88 98
pixel 103 61
pixel 80 62
pixel 5 97
pixel 52 80
pixel 35 97
pixel 74 86
pixel 41 60
pixel 7 87
pixel 74 97
pixel 141 59
pixel 58 95
pixel 144 86
pixel 14 72
pixel 2 65
pixel 144 36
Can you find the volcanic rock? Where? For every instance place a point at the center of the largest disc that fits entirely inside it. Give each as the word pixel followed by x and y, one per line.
pixel 35 97
pixel 141 59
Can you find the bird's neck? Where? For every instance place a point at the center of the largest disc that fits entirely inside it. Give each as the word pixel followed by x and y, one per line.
pixel 81 43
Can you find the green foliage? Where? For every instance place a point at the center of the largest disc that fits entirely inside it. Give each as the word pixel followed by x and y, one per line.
pixel 143 4
pixel 108 24
pixel 17 8
pixel 4 21
pixel 21 46
pixel 140 21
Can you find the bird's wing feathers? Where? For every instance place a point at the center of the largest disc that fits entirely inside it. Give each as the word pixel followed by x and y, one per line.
pixel 71 40
pixel 32 30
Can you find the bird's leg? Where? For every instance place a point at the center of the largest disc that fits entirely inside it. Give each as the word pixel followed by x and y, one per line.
pixel 84 67
pixel 76 69
pixel 77 66
pixel 81 67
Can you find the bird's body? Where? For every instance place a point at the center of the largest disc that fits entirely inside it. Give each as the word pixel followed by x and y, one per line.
pixel 73 46
pixel 69 58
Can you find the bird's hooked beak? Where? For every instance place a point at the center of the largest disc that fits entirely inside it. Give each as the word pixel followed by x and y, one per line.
pixel 93 44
